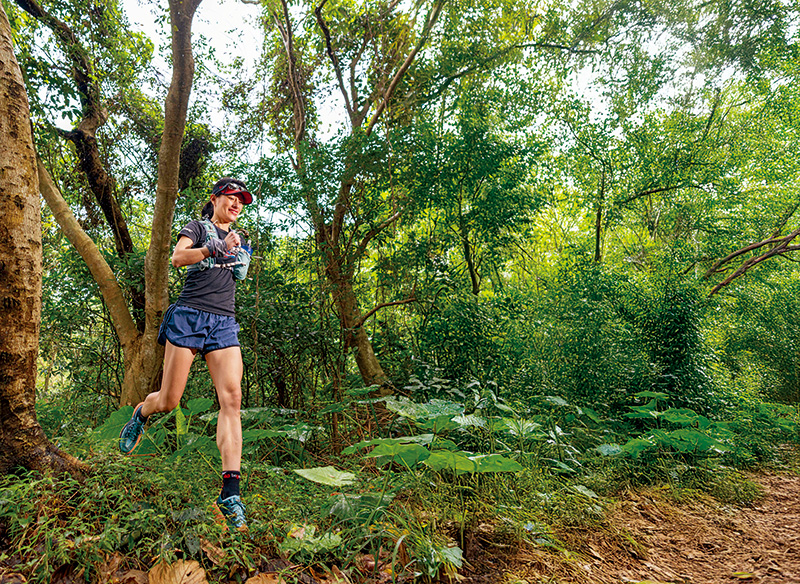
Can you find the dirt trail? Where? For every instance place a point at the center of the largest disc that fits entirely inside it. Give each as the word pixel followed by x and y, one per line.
pixel 651 539
pixel 700 543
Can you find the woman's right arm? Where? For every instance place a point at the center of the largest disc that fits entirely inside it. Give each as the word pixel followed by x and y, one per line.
pixel 185 255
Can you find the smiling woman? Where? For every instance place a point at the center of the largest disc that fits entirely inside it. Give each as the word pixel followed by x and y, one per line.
pixel 203 321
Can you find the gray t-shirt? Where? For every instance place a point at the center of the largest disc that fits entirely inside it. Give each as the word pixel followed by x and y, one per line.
pixel 212 290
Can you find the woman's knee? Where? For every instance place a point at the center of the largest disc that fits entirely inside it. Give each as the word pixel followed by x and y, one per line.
pixel 230 398
pixel 167 403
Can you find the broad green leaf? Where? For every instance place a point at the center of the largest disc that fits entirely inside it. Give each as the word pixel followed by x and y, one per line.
pixel 300 432
pixel 180 422
pixel 407 455
pixel 348 506
pixel 333 408
pixel 586 491
pixel 438 424
pixel 652 394
pixel 433 409
pixel 589 413
pixel 609 449
pixel 199 405
pixel 495 463
pixel 559 401
pixel 425 439
pixel 560 465
pixel 470 420
pixel 111 428
pixel 686 417
pixel 327 475
pixel 458 462
pixel 257 434
pixel 193 443
pixel 642 415
pixel 452 555
pixel 691 440
pixel 636 446
pixel 522 428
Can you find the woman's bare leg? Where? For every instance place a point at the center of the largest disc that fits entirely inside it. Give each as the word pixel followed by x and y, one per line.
pixel 177 363
pixel 225 367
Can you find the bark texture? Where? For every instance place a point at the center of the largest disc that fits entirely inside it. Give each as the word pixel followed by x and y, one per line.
pixel 22 441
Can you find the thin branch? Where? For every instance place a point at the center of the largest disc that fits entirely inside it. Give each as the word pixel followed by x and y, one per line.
pixel 426 31
pixel 334 59
pixel 649 192
pixel 748 248
pixel 298 101
pixel 362 319
pixel 374 232
pixel 778 250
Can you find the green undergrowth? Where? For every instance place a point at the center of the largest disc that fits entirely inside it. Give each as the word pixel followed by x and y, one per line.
pixel 406 503
pixel 146 510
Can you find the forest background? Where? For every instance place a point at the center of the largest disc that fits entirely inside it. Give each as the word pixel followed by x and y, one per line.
pixel 511 258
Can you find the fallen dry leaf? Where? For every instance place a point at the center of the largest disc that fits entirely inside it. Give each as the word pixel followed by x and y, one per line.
pixel 105 572
pixel 266 578
pixel 133 577
pixel 214 553
pixel 181 572
pixel 341 577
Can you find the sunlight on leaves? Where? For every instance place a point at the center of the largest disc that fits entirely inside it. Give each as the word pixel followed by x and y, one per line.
pixel 327 475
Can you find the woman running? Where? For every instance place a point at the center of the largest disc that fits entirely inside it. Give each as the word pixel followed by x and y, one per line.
pixel 202 320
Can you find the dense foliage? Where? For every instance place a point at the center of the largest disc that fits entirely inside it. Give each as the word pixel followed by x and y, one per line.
pixel 569 241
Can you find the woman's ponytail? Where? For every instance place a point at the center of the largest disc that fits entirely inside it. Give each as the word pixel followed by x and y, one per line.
pixel 208 211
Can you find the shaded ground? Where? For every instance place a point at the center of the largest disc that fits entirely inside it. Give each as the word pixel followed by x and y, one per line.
pixel 647 537
pixel 650 538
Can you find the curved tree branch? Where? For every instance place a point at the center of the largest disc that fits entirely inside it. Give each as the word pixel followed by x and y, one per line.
pixel 101 272
pixel 83 136
pixel 387 95
pixel 334 60
pixel 365 317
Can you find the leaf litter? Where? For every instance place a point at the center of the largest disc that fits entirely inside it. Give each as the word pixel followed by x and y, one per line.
pixel 649 538
pixel 646 537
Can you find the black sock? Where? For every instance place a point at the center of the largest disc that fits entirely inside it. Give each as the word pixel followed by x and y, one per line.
pixel 140 417
pixel 230 483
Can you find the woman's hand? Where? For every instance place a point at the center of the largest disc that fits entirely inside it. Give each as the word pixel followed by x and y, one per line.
pixel 232 239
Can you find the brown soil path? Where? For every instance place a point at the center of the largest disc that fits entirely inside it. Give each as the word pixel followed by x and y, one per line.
pixel 650 539
pixel 702 543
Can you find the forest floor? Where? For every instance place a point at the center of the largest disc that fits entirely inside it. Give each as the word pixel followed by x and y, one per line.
pixel 649 537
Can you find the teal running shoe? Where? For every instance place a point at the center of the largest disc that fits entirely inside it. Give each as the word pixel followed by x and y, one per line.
pixel 230 511
pixel 131 432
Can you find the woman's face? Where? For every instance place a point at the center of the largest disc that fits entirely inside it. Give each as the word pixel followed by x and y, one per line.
pixel 227 208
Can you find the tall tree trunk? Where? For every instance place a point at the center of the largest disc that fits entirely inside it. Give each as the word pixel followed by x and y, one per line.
pixel 142 369
pixel 469 257
pixel 22 441
pixel 340 278
pixel 598 221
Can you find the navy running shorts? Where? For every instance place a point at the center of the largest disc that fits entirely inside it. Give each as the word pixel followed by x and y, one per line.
pixel 190 328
